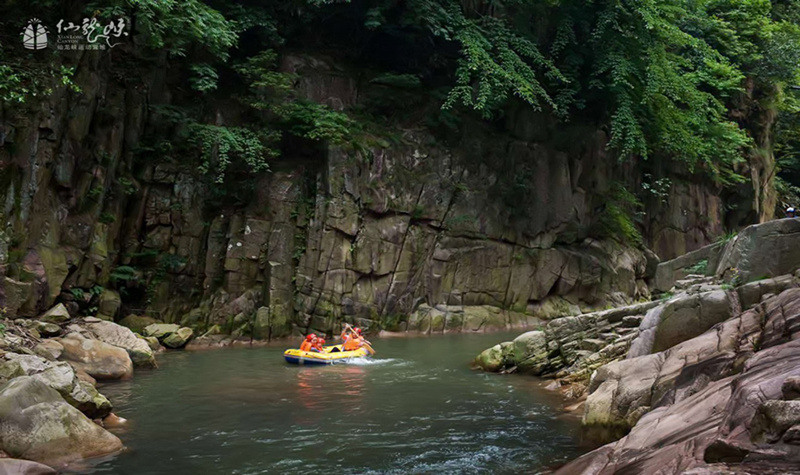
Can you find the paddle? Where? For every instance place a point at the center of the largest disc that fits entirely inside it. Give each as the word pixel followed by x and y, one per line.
pixel 368 347
pixel 365 342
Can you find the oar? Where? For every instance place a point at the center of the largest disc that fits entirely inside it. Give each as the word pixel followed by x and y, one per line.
pixel 368 347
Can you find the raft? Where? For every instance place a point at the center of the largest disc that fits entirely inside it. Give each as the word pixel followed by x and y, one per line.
pixel 330 355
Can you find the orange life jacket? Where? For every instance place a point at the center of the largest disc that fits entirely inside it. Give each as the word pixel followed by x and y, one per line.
pixel 305 346
pixel 352 343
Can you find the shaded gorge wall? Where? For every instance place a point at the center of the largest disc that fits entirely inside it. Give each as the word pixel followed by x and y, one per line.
pixel 498 224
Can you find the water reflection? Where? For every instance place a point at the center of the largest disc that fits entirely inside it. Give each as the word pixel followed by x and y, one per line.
pixel 321 388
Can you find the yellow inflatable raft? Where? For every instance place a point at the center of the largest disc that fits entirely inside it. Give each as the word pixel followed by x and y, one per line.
pixel 330 355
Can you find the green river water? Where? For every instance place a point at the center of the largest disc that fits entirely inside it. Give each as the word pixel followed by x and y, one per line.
pixel 415 408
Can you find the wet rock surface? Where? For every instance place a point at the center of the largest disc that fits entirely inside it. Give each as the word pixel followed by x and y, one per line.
pixel 36 424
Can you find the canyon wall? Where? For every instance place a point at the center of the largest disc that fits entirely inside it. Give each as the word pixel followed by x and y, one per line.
pixel 504 218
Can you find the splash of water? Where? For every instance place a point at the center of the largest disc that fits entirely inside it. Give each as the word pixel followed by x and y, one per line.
pixel 364 361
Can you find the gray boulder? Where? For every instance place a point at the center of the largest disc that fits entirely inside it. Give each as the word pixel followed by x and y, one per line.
pixel 683 317
pixel 61 377
pixel 160 330
pixel 137 323
pixel 762 251
pixel 140 352
pixel 669 272
pixel 49 349
pixel 529 352
pixel 57 314
pixel 36 424
pixel 492 359
pixel 179 338
pixel 98 359
pixel 108 305
pixel 773 419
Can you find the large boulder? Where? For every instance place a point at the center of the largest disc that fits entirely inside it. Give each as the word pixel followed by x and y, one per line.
pixel 493 359
pixel 137 323
pixel 57 314
pixel 702 261
pixel 529 352
pixel 117 335
pixel 178 338
pixel 761 251
pixel 623 391
pixel 36 424
pixel 59 376
pixel 751 293
pixel 98 359
pixel 14 295
pixel 773 419
pixel 49 349
pixel 683 317
pixel 160 330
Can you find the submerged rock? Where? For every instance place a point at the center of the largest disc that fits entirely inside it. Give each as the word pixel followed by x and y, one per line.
pixel 99 359
pixel 36 424
pixel 24 467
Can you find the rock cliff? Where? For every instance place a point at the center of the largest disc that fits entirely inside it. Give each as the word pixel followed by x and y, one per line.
pixel 370 235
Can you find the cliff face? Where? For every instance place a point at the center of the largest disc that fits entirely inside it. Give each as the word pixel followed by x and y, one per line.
pixel 502 219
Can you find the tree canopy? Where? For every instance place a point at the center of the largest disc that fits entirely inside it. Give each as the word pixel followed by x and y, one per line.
pixel 665 76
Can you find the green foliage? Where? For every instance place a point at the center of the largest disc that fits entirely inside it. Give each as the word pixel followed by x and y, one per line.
pixel 204 78
pixel 128 186
pixel 616 219
pixel 400 81
pixel 219 146
pixel 699 268
pixel 176 26
pixel 122 275
pixel 726 237
pixel 107 218
pixel 497 60
pixel 315 121
pixel 78 293
pixel 19 83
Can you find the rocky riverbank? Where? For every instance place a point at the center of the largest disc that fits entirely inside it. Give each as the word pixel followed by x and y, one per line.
pixel 51 412
pixel 704 379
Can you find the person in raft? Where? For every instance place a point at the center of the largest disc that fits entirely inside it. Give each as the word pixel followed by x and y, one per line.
pixel 351 338
pixel 318 344
pixel 308 343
